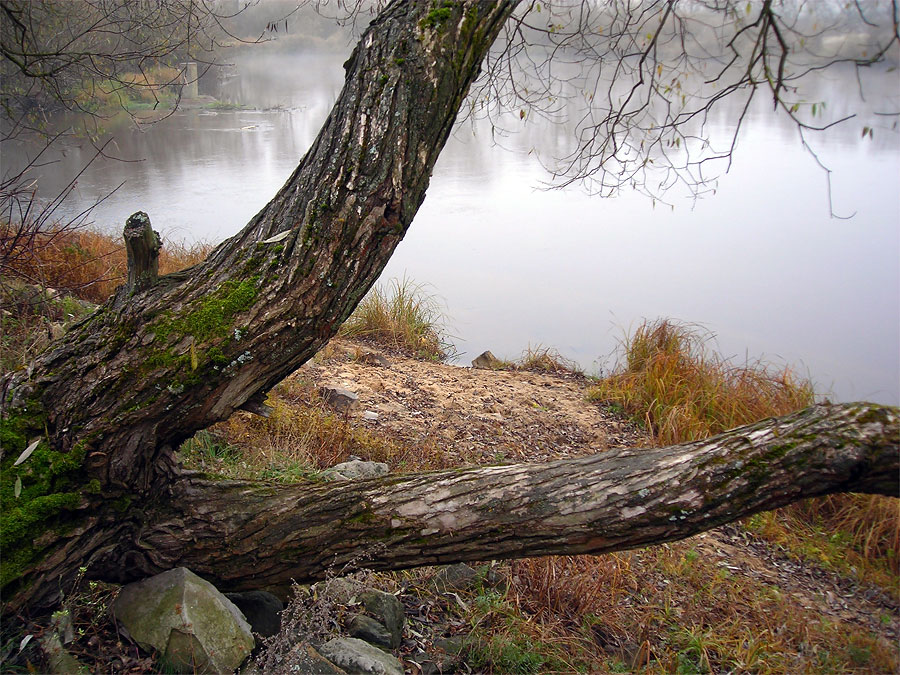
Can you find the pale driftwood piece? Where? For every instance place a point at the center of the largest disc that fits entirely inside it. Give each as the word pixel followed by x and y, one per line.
pixel 142 245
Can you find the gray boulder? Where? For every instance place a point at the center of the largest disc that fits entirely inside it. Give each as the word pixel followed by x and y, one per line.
pixel 340 589
pixel 310 662
pixel 458 577
pixel 261 609
pixel 359 657
pixel 356 470
pixel 485 360
pixel 461 577
pixel 372 631
pixel 374 359
pixel 338 398
pixel 387 610
pixel 194 626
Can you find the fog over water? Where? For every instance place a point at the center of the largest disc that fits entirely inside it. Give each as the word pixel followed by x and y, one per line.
pixel 760 263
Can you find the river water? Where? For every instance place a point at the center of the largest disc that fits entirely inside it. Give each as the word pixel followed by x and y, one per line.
pixel 761 263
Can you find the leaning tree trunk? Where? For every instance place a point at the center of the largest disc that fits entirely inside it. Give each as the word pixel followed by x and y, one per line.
pixel 168 357
pixel 89 475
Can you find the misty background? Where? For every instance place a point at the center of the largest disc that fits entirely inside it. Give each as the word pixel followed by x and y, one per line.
pixel 761 262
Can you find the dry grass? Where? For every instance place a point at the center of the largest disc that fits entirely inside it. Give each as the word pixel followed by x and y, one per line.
pixel 402 316
pixel 300 438
pixel 539 359
pixel 855 535
pixel 545 360
pixel 663 609
pixel 85 263
pixel 684 391
pixel 45 276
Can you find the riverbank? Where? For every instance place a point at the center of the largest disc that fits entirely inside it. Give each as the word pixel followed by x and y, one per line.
pixel 766 595
pixel 812 588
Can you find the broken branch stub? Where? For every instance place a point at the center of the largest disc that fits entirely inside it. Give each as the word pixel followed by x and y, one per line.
pixel 142 245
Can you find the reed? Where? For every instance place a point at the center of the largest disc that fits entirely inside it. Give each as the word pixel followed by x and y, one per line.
pixel 682 390
pixel 401 315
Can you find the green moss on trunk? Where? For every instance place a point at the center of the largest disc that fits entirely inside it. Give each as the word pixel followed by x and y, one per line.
pixel 36 494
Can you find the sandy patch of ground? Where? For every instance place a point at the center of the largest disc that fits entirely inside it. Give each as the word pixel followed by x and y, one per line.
pixel 473 414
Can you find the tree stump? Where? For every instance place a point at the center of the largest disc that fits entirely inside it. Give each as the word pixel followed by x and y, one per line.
pixel 142 245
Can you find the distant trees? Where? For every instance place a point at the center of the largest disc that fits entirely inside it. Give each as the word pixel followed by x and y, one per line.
pixel 58 54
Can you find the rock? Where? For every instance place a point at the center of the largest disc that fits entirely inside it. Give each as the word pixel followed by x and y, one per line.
pixel 368 629
pixel 338 398
pixel 356 470
pixel 447 653
pixel 370 416
pixel 311 662
pixel 194 626
pixel 374 359
pixel 302 659
pixel 340 589
pixel 458 577
pixel 387 610
pixel 485 360
pixel 261 609
pixel 426 666
pixel 59 660
pixel 361 658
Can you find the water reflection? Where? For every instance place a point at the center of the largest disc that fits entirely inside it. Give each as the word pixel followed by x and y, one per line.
pixel 761 263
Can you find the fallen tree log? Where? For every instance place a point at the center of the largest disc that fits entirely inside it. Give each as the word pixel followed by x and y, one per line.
pixel 245 535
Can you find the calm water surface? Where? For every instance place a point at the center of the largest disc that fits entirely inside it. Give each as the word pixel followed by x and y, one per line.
pixel 761 263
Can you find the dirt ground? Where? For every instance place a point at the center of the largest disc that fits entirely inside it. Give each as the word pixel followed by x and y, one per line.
pixel 495 415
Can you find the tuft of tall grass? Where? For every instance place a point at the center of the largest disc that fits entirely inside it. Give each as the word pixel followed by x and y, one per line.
pixel 545 360
pixel 401 316
pixel 684 391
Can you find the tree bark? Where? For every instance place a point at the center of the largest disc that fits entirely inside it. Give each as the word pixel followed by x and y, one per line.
pixel 102 409
pixel 596 504
pixel 121 390
pixel 137 378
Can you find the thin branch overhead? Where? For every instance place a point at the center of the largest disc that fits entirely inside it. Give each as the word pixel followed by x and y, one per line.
pixel 642 85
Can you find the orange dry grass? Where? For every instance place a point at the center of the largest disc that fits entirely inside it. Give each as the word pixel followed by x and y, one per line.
pixel 684 391
pixel 87 263
pixel 856 535
pixel 302 435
